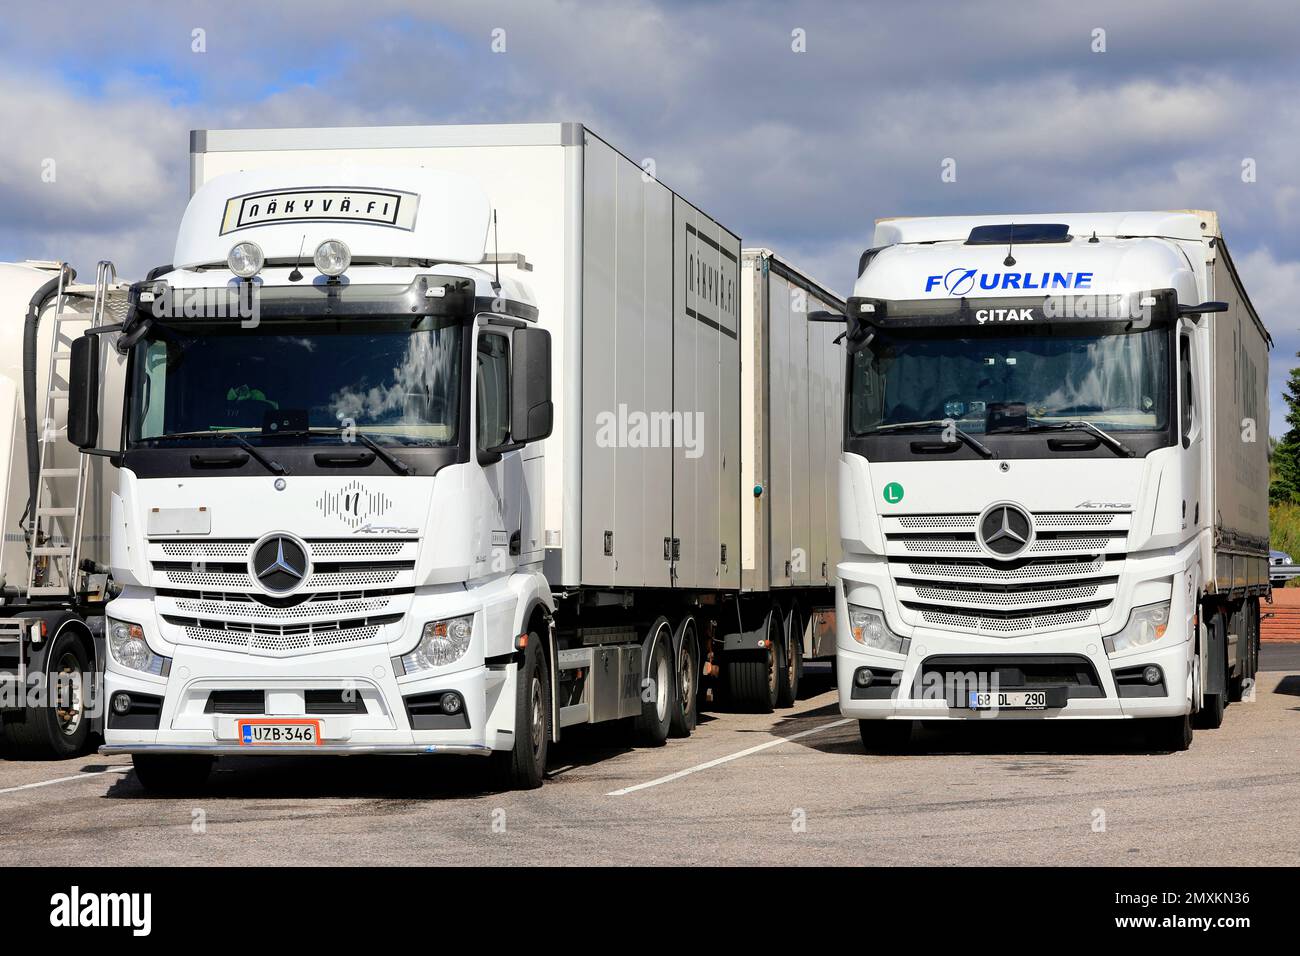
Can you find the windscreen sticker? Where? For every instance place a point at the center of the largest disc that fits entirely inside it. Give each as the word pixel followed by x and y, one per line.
pixel 962 281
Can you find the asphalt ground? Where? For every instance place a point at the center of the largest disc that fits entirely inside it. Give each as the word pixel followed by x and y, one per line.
pixel 794 787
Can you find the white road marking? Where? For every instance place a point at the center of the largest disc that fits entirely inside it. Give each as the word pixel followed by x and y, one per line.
pixel 721 760
pixel 50 783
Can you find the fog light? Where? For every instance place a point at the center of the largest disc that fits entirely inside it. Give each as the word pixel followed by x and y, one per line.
pixel 451 703
pixel 862 677
pixel 121 703
pixel 245 259
pixel 1151 674
pixel 332 257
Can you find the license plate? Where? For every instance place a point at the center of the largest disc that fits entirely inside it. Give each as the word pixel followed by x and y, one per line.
pixel 279 733
pixel 1008 700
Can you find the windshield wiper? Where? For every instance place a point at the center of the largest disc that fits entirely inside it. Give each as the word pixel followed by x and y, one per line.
pixel 383 454
pixel 979 447
pixel 1105 437
pixel 270 464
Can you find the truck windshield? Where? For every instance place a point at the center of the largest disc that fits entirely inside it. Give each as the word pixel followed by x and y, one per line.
pixel 395 380
pixel 1116 381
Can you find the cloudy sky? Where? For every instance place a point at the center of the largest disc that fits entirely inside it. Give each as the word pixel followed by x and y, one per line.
pixel 797 150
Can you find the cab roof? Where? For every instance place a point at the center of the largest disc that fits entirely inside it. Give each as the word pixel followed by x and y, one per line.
pixel 1187 224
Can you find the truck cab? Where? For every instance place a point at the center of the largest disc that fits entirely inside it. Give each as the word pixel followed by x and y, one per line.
pixel 326 523
pixel 1054 462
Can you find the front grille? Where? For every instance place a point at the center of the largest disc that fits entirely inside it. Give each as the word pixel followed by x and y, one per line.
pixel 1046 569
pixel 354 588
pixel 1066 577
pixel 270 640
pixel 1044 543
pixel 1005 596
pixel 337 564
pixel 992 622
pixel 247 609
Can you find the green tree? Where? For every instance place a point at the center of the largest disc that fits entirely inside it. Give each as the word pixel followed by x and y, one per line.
pixel 1284 485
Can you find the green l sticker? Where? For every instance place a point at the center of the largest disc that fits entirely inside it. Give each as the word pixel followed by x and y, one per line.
pixel 893 492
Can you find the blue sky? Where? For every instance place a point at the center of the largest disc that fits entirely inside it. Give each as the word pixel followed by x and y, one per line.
pixel 797 150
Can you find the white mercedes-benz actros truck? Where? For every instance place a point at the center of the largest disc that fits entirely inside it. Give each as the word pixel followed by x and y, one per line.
pixel 1054 480
pixel 382 488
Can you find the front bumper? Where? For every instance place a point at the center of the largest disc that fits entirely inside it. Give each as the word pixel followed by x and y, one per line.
pixel 916 698
pixel 186 722
pixel 218 750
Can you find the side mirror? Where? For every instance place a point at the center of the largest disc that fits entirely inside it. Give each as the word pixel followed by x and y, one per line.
pixel 1203 308
pixel 823 316
pixel 531 410
pixel 83 392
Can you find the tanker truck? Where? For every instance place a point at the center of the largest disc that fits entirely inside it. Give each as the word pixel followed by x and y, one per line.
pixel 1054 481
pixel 54 510
pixel 380 487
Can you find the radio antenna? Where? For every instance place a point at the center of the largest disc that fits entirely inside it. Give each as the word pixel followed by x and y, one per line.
pixel 296 274
pixel 1010 260
pixel 496 253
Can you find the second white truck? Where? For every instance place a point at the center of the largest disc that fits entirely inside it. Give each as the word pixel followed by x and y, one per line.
pixel 1053 491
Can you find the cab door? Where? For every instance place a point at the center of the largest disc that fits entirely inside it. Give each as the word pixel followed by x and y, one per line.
pixel 503 467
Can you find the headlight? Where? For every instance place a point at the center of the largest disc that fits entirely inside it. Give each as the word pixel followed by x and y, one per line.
pixel 245 259
pixel 442 643
pixel 868 628
pixel 1145 625
pixel 332 257
pixel 127 645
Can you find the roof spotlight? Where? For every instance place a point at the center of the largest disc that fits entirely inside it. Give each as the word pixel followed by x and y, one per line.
pixel 245 259
pixel 332 257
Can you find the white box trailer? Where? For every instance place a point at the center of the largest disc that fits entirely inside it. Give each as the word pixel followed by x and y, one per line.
pixel 605 550
pixel 792 377
pixel 1237 492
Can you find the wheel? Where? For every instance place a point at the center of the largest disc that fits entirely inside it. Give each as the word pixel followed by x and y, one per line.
pixel 1215 670
pixel 658 687
pixel 62 729
pixel 1171 733
pixel 753 679
pixel 1248 641
pixel 523 766
pixel 684 712
pixel 886 736
pixel 787 688
pixel 172 775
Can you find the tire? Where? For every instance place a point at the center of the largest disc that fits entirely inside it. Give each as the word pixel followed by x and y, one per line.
pixel 886 736
pixel 45 733
pixel 752 681
pixel 659 684
pixel 1214 702
pixel 523 767
pixel 684 713
pixel 1173 734
pixel 787 685
pixel 172 775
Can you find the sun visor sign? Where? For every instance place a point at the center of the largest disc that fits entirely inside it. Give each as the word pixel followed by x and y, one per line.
pixel 370 207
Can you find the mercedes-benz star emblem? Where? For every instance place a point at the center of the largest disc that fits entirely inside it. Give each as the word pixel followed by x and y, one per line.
pixel 1006 530
pixel 279 563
